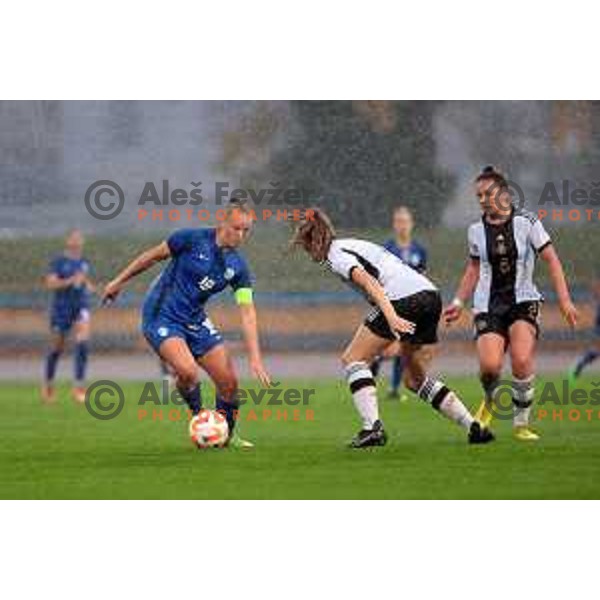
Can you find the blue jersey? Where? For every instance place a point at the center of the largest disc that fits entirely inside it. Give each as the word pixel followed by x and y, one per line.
pixel 198 270
pixel 70 300
pixel 414 255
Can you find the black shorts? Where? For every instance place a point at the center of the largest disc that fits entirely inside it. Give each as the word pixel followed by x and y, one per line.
pixel 500 322
pixel 424 309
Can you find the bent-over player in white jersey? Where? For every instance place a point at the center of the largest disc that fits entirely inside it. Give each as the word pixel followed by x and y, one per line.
pixel 407 306
pixel 503 247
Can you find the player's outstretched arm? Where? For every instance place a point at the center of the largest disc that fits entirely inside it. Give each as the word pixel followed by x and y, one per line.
pixel 138 265
pixel 559 281
pixel 250 331
pixel 377 294
pixel 464 292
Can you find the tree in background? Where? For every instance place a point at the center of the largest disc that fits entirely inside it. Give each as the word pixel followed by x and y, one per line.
pixel 362 158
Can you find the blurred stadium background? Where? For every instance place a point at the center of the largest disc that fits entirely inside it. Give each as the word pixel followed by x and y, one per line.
pixel 358 160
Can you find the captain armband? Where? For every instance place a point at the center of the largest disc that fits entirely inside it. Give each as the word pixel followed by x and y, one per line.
pixel 244 296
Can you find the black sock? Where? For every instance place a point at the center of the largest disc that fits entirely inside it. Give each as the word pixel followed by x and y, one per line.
pixel 192 397
pixel 489 383
pixel 397 368
pixel 51 364
pixel 81 359
pixel 228 409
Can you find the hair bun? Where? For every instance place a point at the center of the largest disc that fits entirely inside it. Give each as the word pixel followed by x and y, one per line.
pixel 491 172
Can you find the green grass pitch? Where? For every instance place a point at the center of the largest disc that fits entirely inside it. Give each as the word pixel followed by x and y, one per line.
pixel 60 451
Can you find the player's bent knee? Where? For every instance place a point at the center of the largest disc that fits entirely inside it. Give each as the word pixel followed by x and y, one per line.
pixel 187 376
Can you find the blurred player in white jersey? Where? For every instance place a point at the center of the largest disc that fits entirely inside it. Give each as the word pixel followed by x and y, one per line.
pixel 407 306
pixel 503 247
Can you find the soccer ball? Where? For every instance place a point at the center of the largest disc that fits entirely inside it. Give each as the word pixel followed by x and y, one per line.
pixel 208 429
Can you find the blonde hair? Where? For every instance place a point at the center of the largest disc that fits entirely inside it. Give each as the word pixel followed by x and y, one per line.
pixel 403 210
pixel 235 207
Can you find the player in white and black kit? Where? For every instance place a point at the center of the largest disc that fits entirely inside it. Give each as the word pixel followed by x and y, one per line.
pixel 503 248
pixel 407 306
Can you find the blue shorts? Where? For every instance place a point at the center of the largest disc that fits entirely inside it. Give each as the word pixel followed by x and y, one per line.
pixel 597 328
pixel 200 337
pixel 62 322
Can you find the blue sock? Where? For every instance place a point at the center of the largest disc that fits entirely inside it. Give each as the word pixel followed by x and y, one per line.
pixel 192 397
pixel 589 357
pixel 228 409
pixel 51 364
pixel 397 368
pixel 81 359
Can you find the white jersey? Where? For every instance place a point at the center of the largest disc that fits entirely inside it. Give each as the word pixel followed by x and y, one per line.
pixel 396 277
pixel 507 254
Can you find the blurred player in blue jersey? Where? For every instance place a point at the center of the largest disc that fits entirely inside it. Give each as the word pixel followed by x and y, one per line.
pixel 415 256
pixel 593 352
pixel 203 262
pixel 68 278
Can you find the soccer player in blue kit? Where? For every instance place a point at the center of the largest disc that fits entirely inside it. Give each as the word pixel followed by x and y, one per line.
pixel 203 262
pixel 402 245
pixel 415 256
pixel 68 278
pixel 593 352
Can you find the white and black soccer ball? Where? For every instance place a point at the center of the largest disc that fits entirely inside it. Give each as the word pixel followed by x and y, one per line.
pixel 208 429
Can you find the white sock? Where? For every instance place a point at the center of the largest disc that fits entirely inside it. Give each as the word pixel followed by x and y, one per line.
pixel 456 411
pixel 524 393
pixel 365 401
pixel 364 393
pixel 447 402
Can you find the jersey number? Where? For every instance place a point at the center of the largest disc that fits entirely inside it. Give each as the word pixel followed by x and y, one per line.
pixel 206 284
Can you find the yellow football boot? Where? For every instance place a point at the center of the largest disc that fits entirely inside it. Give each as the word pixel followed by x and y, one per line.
pixel 235 441
pixel 525 434
pixel 483 414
